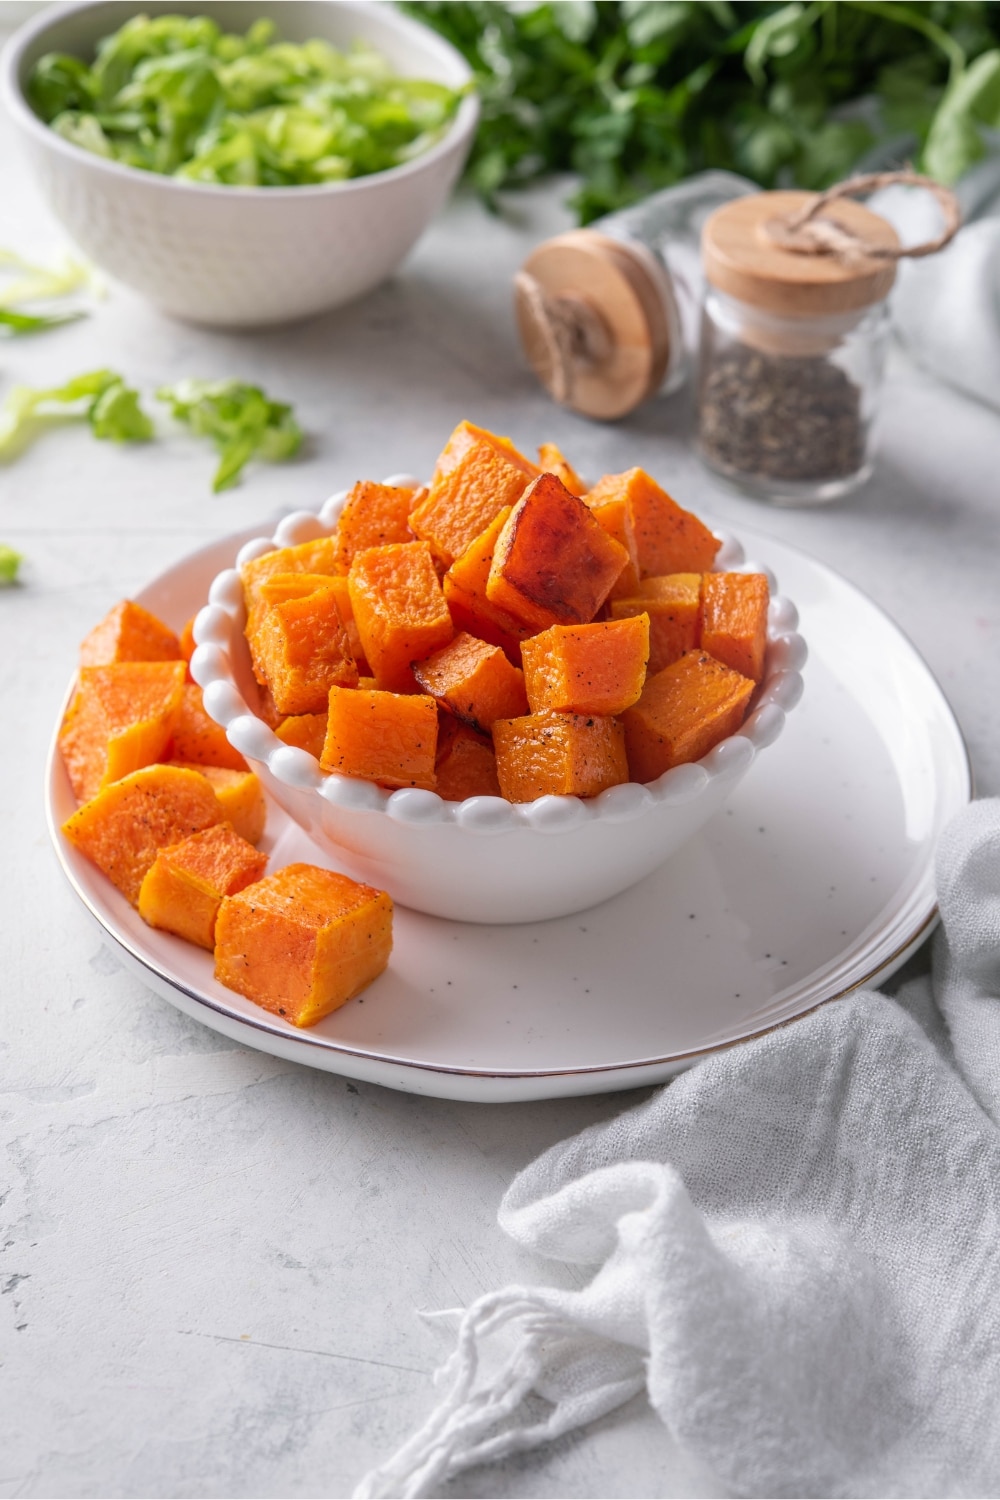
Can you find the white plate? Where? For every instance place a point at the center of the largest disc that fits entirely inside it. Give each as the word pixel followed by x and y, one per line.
pixel 815 878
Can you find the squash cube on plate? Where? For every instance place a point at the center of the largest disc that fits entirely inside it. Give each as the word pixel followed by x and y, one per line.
pixel 306 731
pixel 563 755
pixel 121 718
pixel 587 669
pixel 553 564
pixel 390 738
pixel 303 942
pixel 399 609
pixel 465 594
pixel 183 888
pixel 734 620
pixel 465 436
pixel 301 649
pixel 668 539
pixel 684 710
pixel 460 504
pixel 240 796
pixel 466 762
pixel 129 633
pixel 123 828
pixel 551 461
pixel 198 739
pixel 474 681
pixel 373 515
pixel 673 604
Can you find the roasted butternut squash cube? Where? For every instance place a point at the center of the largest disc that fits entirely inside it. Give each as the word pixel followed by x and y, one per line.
pixel 342 593
pixel 183 888
pixel 307 731
pixel 673 604
pixel 278 589
pixel 303 942
pixel 466 762
pixel 318 556
pixel 474 681
pixel 390 738
pixel 267 709
pixel 301 649
pixel 667 538
pixel 129 633
pixel 122 829
pixel 240 795
pixel 187 641
pixel 465 594
pixel 373 515
pixel 563 755
pixel 684 710
pixel 399 609
pixel 615 517
pixel 460 504
pixel 551 461
pixel 587 669
pixel 734 620
pixel 466 434
pixel 281 587
pixel 121 718
pixel 198 739
pixel 553 563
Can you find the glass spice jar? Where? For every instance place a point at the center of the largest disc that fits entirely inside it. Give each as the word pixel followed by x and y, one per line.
pixel 608 315
pixel 792 346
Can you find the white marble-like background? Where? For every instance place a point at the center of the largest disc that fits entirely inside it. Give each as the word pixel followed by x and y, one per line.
pixel 210 1260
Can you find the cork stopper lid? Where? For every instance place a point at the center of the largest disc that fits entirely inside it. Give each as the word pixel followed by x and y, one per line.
pixel 753 250
pixel 597 321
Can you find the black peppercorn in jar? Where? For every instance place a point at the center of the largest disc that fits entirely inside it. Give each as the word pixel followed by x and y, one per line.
pixel 792 345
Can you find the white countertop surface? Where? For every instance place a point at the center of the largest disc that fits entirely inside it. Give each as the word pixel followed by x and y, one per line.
pixel 210 1260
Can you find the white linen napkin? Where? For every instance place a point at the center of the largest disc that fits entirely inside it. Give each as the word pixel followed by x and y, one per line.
pixel 946 309
pixel 795 1249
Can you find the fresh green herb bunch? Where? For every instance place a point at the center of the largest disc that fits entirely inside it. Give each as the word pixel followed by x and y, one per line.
pixel 176 95
pixel 635 94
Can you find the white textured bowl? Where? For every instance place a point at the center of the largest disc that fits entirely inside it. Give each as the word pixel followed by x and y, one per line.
pixel 484 859
pixel 230 256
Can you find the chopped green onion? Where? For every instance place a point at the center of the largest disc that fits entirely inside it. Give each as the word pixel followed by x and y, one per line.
pixel 13 324
pixel 10 561
pixel 100 396
pixel 175 95
pixel 240 419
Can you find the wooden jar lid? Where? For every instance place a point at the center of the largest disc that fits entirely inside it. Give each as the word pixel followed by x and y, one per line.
pixel 594 321
pixel 742 256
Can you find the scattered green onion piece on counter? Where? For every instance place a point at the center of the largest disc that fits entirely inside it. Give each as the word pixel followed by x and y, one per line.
pixel 116 415
pixel 10 562
pixel 240 419
pixel 102 397
pixel 13 324
pixel 37 283
pixel 176 95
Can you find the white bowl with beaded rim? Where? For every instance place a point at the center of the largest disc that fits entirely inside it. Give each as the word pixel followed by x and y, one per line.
pixel 484 859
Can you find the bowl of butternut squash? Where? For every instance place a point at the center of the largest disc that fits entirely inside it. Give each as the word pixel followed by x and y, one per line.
pixel 503 695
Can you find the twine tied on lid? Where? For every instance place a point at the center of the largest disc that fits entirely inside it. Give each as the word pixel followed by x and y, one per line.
pixel 809 232
pixel 569 333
